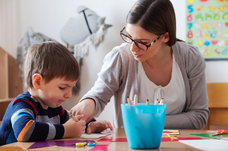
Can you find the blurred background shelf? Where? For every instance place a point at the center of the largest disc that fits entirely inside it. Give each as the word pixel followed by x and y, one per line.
pixel 6 100
pixel 10 83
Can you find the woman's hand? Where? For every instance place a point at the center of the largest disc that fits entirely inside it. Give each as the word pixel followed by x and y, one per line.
pixel 85 107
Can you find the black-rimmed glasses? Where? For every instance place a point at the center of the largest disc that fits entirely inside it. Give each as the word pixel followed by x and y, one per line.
pixel 140 45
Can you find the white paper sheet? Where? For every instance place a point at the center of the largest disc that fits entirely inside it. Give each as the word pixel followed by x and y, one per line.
pixel 207 144
pixel 94 135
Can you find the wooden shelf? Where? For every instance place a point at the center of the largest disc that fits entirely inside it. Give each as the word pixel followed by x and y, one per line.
pixel 6 100
pixel 10 83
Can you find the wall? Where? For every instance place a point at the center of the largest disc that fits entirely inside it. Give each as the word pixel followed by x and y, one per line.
pixel 9 25
pixel 48 17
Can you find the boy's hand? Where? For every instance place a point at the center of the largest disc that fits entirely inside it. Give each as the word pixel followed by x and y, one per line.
pixel 98 126
pixel 73 128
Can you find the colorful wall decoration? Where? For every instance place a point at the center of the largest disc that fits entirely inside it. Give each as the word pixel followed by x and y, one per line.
pixel 207 27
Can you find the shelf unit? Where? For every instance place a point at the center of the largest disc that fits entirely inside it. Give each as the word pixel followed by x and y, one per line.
pixel 10 82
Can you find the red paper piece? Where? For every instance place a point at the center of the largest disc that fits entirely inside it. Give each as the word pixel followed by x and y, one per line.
pixel 167 132
pixel 113 140
pixel 99 147
pixel 163 139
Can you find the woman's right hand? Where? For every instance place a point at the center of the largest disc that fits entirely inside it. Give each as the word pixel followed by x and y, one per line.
pixel 85 107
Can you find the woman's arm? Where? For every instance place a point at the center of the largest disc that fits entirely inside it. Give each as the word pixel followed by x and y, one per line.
pixel 108 82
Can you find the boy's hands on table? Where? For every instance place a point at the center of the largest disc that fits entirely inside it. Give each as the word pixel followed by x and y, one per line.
pixel 98 126
pixel 73 128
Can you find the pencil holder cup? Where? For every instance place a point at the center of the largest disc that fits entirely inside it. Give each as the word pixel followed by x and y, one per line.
pixel 143 124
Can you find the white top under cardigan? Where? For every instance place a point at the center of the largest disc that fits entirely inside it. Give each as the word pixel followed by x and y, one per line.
pixel 173 93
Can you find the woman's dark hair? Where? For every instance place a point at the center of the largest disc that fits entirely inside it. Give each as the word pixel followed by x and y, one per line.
pixel 155 16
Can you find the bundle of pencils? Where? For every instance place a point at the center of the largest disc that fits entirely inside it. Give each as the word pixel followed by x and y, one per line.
pixel 135 102
pixel 159 102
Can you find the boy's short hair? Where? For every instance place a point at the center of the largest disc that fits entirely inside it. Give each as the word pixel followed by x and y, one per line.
pixel 50 60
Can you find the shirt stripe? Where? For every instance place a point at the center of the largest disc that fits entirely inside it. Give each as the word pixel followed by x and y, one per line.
pixel 24 130
pixel 51 132
pixel 21 113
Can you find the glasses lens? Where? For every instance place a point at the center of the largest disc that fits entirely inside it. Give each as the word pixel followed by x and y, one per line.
pixel 126 38
pixel 141 46
pixel 138 44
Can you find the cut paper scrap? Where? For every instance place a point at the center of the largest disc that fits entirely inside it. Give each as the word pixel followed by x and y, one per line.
pixel 100 147
pixel 66 143
pixel 113 140
pixel 180 138
pixel 165 132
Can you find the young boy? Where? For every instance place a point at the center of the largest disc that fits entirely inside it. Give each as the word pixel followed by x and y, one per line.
pixel 50 72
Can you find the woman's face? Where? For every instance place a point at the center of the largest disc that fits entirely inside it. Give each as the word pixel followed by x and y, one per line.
pixel 141 35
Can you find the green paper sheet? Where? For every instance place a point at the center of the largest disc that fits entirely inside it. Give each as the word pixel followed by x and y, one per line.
pixel 209 135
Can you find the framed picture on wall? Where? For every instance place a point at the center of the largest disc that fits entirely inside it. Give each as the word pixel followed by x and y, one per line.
pixel 207 27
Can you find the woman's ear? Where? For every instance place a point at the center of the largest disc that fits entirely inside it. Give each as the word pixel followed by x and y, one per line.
pixel 166 37
pixel 36 80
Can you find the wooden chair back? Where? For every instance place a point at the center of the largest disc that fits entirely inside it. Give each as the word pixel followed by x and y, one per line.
pixel 218 104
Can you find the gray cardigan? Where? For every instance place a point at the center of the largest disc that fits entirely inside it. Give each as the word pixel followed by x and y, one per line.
pixel 118 79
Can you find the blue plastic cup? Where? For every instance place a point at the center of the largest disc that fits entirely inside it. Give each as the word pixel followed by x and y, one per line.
pixel 143 124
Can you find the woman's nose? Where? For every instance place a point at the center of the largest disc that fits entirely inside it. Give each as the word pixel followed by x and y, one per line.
pixel 133 47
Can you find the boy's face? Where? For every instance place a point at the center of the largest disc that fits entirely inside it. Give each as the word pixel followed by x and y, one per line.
pixel 55 92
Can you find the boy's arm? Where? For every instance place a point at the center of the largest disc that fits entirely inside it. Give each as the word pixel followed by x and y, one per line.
pixel 26 128
pixel 64 115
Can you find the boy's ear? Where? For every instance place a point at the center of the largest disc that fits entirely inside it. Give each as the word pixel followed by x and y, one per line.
pixel 166 37
pixel 36 80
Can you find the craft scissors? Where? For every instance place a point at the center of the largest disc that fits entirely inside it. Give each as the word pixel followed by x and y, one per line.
pixel 220 132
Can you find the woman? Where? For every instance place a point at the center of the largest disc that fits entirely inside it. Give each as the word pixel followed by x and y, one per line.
pixel 153 64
